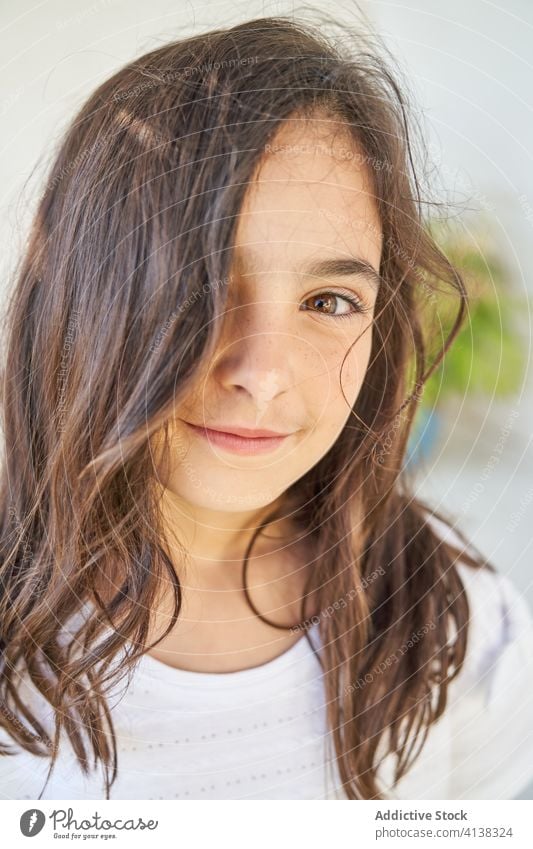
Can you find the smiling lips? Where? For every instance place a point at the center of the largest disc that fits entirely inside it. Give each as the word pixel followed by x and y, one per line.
pixel 241 440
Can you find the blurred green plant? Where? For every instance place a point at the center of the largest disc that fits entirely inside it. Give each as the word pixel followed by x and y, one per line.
pixel 488 356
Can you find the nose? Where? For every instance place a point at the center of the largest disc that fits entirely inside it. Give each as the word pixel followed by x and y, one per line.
pixel 257 365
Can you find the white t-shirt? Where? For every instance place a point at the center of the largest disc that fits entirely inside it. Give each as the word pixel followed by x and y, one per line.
pixel 261 733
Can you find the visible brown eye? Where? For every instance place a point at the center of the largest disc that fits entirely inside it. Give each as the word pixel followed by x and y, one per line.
pixel 327 302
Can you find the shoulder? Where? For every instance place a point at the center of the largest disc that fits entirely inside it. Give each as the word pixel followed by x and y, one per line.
pixel 492 711
pixel 491 699
pixel 499 617
pixel 22 773
pixel 499 614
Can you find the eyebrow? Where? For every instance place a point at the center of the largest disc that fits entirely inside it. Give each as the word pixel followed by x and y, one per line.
pixel 335 267
pixel 344 267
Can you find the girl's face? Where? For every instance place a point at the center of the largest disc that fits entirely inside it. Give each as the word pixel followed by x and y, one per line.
pixel 290 322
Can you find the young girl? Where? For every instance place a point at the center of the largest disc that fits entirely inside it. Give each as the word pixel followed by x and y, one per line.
pixel 216 581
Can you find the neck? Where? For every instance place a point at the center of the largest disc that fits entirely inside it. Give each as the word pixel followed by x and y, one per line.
pixel 217 540
pixel 217 630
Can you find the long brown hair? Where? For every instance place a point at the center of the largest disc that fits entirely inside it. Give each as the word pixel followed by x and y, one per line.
pixel 118 303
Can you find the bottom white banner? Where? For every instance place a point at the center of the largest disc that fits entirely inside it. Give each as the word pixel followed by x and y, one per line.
pixel 268 823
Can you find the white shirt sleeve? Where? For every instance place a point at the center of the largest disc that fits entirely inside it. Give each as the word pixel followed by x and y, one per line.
pixel 492 703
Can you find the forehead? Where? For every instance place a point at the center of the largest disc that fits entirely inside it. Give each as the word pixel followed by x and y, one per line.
pixel 311 190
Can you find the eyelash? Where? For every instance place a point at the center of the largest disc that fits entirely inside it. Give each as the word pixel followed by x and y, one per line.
pixel 359 306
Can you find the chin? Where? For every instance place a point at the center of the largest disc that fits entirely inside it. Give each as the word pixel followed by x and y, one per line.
pixel 237 498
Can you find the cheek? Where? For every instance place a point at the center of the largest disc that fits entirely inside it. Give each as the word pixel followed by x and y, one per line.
pixel 347 365
pixel 333 398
